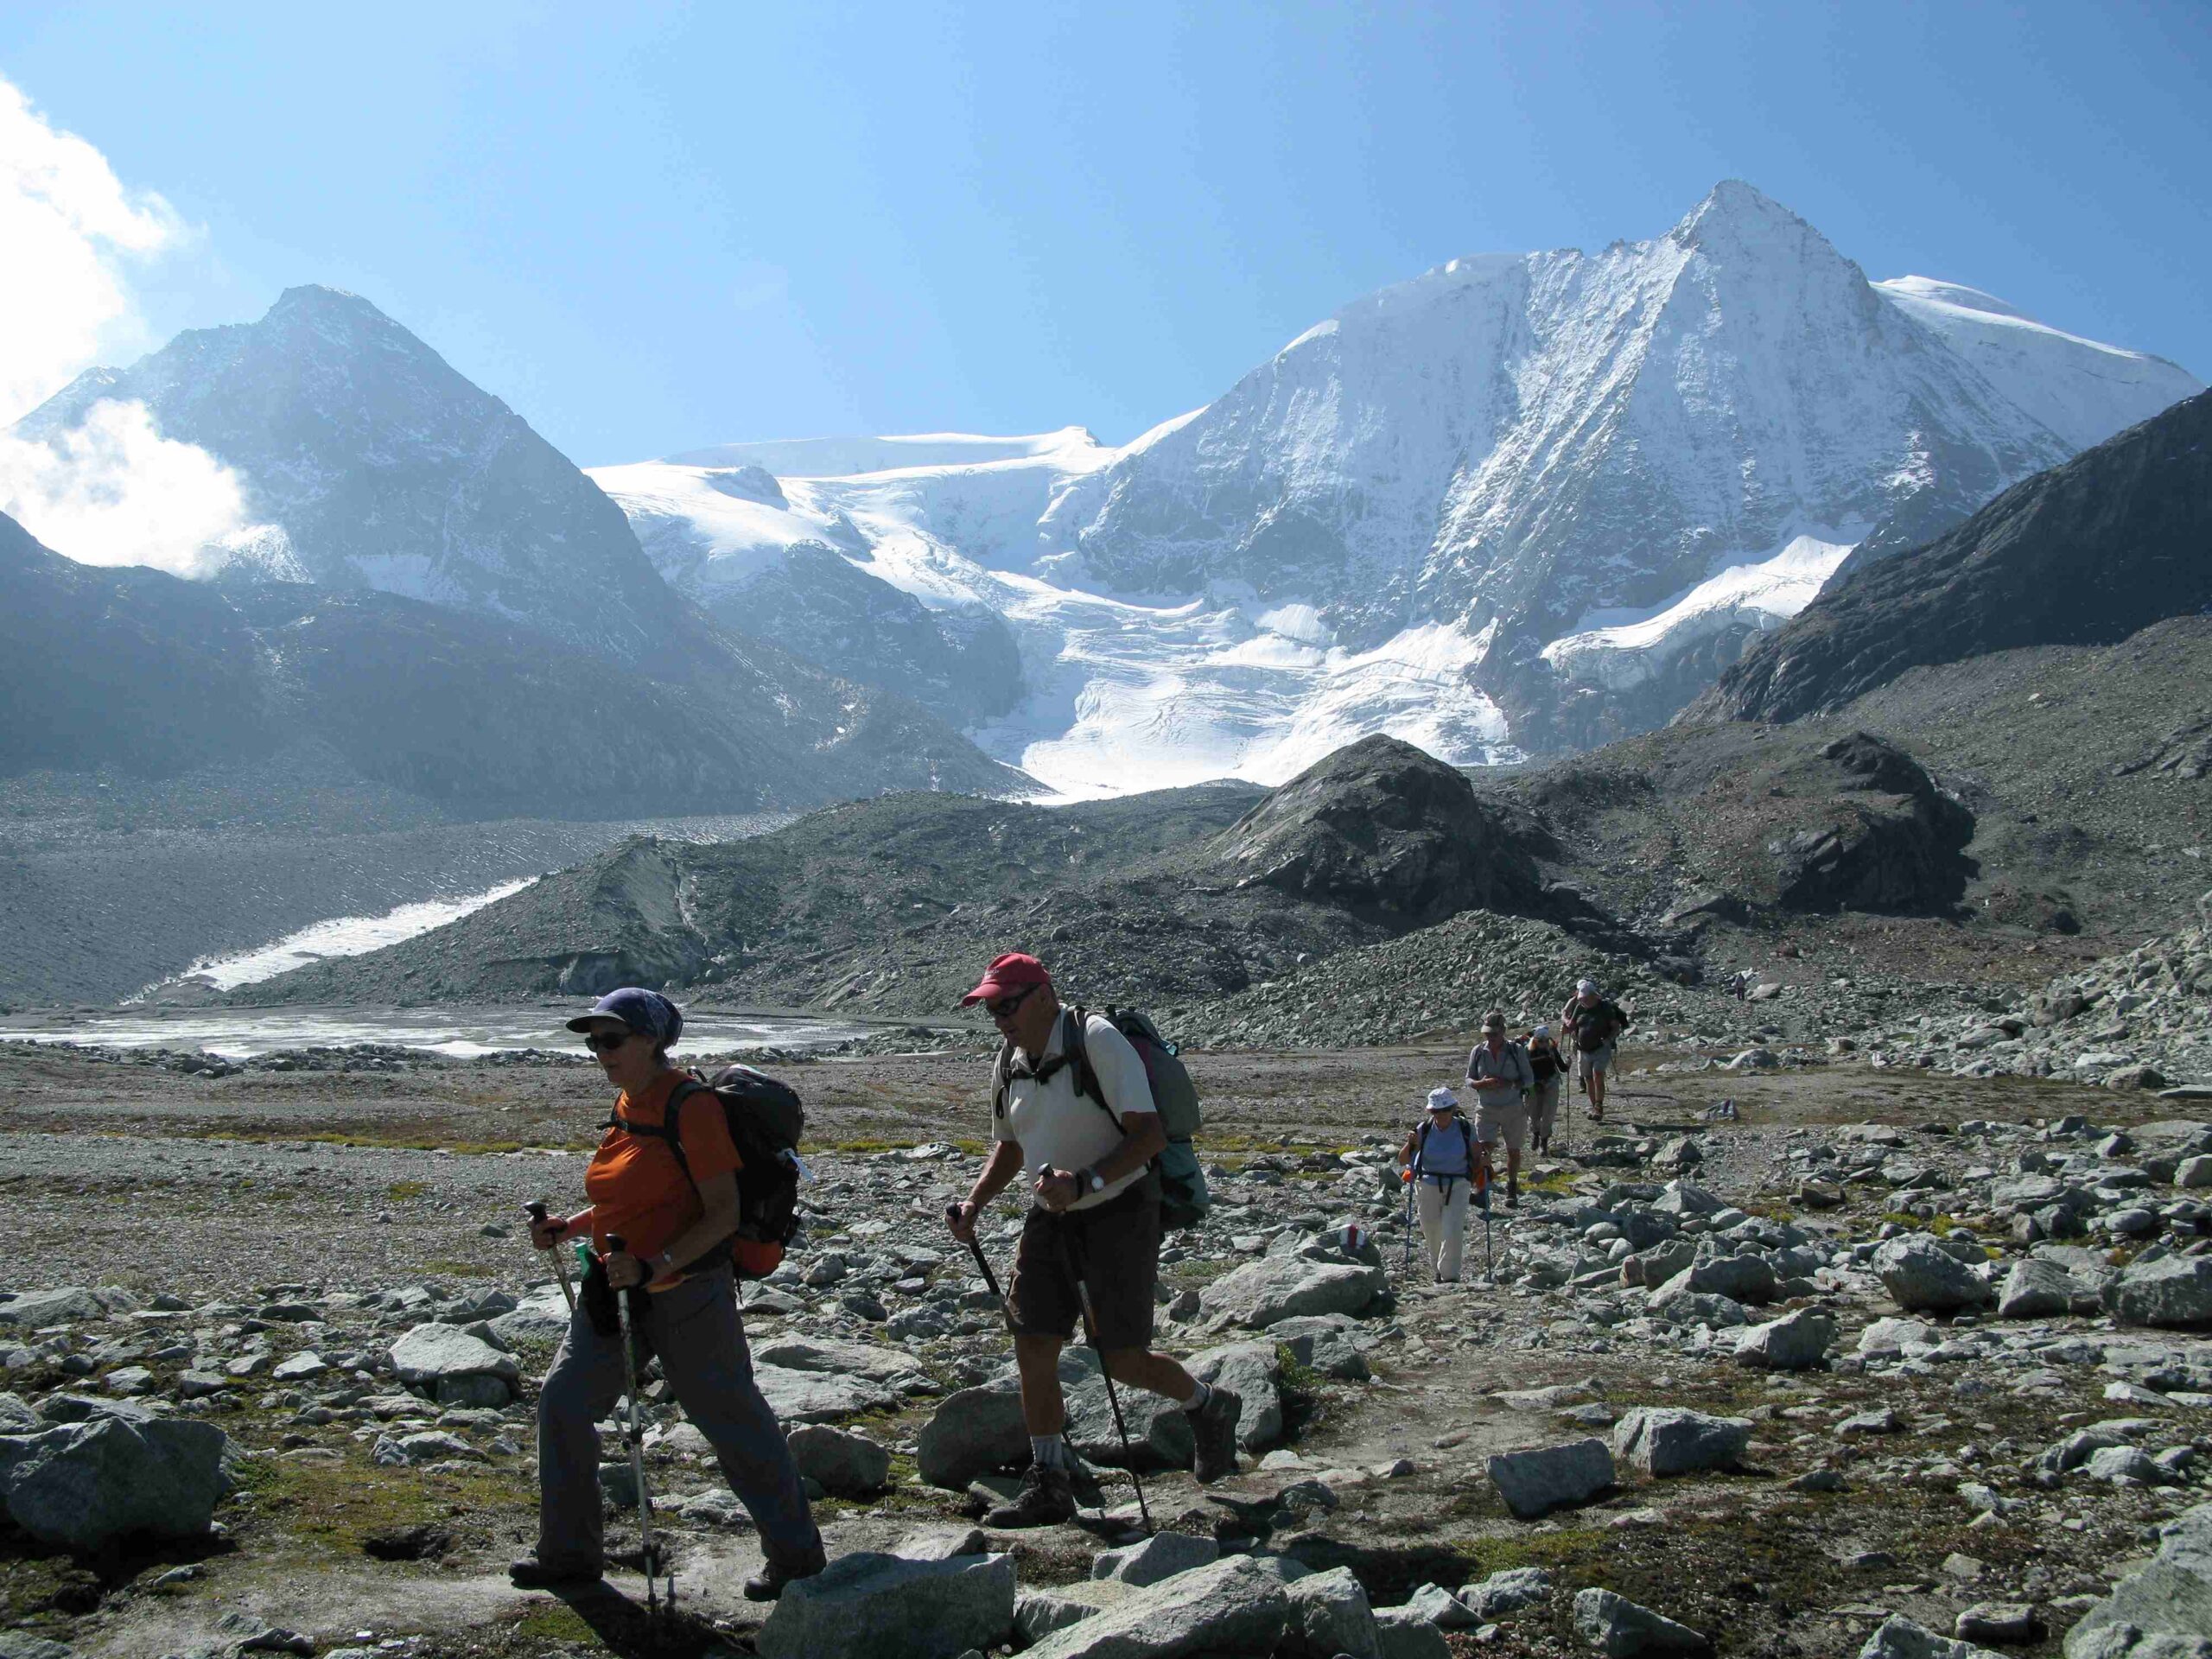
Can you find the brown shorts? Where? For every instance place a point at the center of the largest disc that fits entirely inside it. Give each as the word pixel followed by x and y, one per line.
pixel 1118 1245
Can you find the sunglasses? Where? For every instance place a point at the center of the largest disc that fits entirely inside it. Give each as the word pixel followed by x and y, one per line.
pixel 605 1042
pixel 1001 1007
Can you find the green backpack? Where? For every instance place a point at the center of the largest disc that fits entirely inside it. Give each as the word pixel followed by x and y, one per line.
pixel 1184 1200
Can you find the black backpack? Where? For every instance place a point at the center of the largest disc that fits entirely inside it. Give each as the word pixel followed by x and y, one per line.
pixel 765 1121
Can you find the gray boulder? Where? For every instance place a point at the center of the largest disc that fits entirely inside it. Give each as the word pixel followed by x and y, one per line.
pixel 1619 1629
pixel 819 1396
pixel 1253 1370
pixel 1508 1592
pixel 1899 1637
pixel 2173 1293
pixel 847 1465
pixel 1441 1608
pixel 1665 1441
pixel 455 1368
pixel 867 1606
pixel 1329 1615
pixel 1922 1276
pixel 1796 1342
pixel 2042 1290
pixel 22 1645
pixel 2164 1612
pixel 1739 1277
pixel 972 1432
pixel 36 1309
pixel 1287 1287
pixel 1407 1633
pixel 16 1416
pixel 1329 1343
pixel 1332 1344
pixel 890 1366
pixel 1543 1478
pixel 1161 1556
pixel 85 1485
pixel 1234 1606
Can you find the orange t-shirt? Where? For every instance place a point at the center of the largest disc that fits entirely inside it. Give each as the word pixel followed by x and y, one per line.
pixel 635 1186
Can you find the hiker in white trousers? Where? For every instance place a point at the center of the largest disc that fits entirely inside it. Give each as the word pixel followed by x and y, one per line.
pixel 1440 1154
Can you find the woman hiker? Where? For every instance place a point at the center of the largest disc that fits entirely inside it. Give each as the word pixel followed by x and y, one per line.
pixel 674 1244
pixel 1442 1155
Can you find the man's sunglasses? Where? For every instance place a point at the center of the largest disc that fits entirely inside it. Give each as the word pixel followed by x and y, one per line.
pixel 1001 1007
pixel 605 1042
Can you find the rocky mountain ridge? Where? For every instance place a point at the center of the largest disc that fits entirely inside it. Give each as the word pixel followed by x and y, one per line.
pixel 2088 553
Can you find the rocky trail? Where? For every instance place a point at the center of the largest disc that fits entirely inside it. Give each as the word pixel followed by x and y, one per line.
pixel 1874 1359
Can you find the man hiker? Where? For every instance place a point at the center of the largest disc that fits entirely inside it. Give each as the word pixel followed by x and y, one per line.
pixel 1498 1072
pixel 1549 1066
pixel 1595 1023
pixel 1442 1154
pixel 1093 1225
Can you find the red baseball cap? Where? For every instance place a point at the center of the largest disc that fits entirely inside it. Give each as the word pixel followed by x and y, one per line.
pixel 1008 974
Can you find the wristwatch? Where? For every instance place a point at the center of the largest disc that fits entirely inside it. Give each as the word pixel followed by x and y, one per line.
pixel 1090 1180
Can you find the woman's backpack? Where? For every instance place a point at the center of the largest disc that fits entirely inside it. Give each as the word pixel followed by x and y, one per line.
pixel 765 1121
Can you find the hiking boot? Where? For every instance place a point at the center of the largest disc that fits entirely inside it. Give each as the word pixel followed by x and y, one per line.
pixel 1047 1498
pixel 1512 1192
pixel 531 1574
pixel 769 1583
pixel 1213 1434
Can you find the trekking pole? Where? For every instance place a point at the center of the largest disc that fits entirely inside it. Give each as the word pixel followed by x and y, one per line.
pixel 647 1547
pixel 536 1212
pixel 1091 1328
pixel 983 1264
pixel 1405 1262
pixel 1482 1196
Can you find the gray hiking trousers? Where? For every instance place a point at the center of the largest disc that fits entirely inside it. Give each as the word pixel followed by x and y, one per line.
pixel 696 1330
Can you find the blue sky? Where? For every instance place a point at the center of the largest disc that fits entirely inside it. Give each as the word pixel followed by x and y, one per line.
pixel 671 226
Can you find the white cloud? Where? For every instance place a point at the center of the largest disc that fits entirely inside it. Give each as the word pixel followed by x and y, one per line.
pixel 70 228
pixel 115 492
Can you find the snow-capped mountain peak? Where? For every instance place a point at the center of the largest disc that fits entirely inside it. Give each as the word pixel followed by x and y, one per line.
pixel 1519 502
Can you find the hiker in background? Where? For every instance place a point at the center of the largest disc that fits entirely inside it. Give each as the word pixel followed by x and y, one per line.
pixel 1498 1072
pixel 1441 1155
pixel 1093 1224
pixel 1595 1023
pixel 676 1229
pixel 1549 1066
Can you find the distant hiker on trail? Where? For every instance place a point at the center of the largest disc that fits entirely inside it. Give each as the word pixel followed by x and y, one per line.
pixel 676 1227
pixel 1549 1066
pixel 1094 1223
pixel 1498 1070
pixel 1595 1023
pixel 1444 1158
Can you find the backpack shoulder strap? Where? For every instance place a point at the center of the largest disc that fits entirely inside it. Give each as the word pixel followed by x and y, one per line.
pixel 1075 1046
pixel 667 1130
pixel 1000 1068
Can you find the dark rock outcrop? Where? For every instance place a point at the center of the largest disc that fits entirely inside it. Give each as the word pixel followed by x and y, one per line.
pixel 1382 827
pixel 1893 843
pixel 2087 553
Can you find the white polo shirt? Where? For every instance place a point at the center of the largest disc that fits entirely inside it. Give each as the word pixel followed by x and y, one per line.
pixel 1053 1123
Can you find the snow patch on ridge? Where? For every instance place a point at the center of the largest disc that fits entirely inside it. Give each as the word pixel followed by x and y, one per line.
pixel 1618 650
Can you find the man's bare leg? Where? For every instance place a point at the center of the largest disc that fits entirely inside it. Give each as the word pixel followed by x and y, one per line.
pixel 1043 1411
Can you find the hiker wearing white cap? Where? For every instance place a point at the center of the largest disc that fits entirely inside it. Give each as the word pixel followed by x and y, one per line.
pixel 1498 1070
pixel 1549 1066
pixel 1442 1157
pixel 1595 1023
